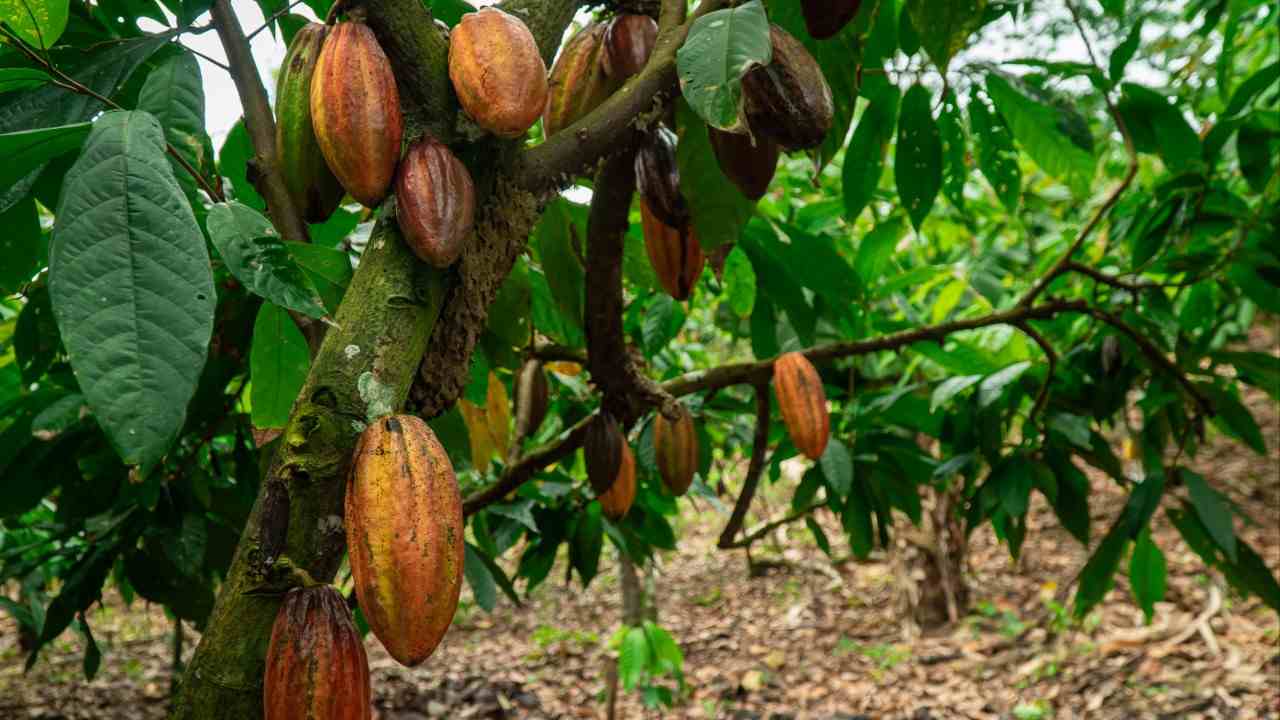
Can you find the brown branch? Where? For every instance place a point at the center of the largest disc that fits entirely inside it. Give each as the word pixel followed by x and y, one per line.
pixel 1112 280
pixel 1156 356
pixel 523 470
pixel 266 23
pixel 759 445
pixel 769 527
pixel 1042 398
pixel 552 352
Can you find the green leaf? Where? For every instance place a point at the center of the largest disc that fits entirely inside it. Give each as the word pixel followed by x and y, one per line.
pixel 955 170
pixel 13 79
pixel 1251 574
pixel 254 253
pixel 856 519
pixel 1098 572
pixel 718 208
pixel 22 245
pixel 917 162
pixel 278 362
pixel 663 647
pixel 949 388
pixel 26 151
pixel 586 543
pixel 233 162
pixel 37 22
pixel 945 26
pixel 720 48
pixel 1147 572
pixel 131 285
pixel 479 578
pixel 1251 88
pixel 1124 52
pixel 92 655
pixel 1039 130
pixel 663 319
pixel 1256 368
pixel 1071 499
pixel 837 468
pixel 876 248
pixel 560 260
pixel 174 94
pixel 633 657
pixel 825 270
pixel 864 158
pixel 35 336
pixel 993 386
pixel 1012 481
pixel 997 157
pixel 819 535
pixel 329 269
pixel 1159 127
pixel 740 283
pixel 1213 512
pixel 476 558
pixel 186 551
pixel 1234 419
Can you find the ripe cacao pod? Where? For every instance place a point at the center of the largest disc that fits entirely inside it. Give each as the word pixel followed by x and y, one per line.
pixel 825 18
pixel 658 179
pixel 788 99
pixel 314 189
pixel 616 501
pixel 435 202
pixel 675 446
pixel 628 45
pixel 674 253
pixel 747 165
pixel 316 664
pixel 355 109
pixel 803 403
pixel 532 397
pixel 602 449
pixel 578 82
pixel 405 535
pixel 497 72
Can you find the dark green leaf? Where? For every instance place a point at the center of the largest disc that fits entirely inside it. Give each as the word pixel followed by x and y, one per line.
pixel 278 364
pixel 174 94
pixel 1124 52
pixel 819 535
pixel 13 79
pixel 1233 418
pixel 22 245
pixel 560 252
pixel 479 578
pixel 945 26
pixel 254 253
pixel 955 170
pixel 1213 512
pixel 329 270
pixel 587 542
pixel 26 151
pixel 997 157
pixel 1147 573
pixel 1097 574
pixel 837 468
pixel 917 163
pixel 864 158
pixel 718 207
pixel 720 48
pixel 875 249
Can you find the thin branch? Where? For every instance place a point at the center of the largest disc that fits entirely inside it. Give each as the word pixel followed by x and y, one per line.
pixel 274 16
pixel 1112 280
pixel 1042 398
pixel 769 527
pixel 1157 356
pixel 524 469
pixel 759 445
pixel 206 58
pixel 552 352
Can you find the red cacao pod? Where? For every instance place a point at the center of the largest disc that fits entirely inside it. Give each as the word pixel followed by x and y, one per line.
pixel 532 397
pixel 602 449
pixel 404 535
pixel 616 501
pixel 803 403
pixel 497 72
pixel 355 109
pixel 675 446
pixel 788 99
pixel 316 664
pixel 578 82
pixel 748 162
pixel 674 253
pixel 658 179
pixel 314 189
pixel 825 18
pixel 435 202
pixel 628 45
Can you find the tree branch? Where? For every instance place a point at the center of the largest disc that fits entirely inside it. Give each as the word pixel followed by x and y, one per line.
pixel 759 445
pixel 769 527
pixel 1042 398
pixel 551 352
pixel 1156 356
pixel 523 469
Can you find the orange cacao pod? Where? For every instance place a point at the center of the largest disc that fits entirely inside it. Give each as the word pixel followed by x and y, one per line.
pixel 616 501
pixel 747 164
pixel 674 253
pixel 602 449
pixel 788 99
pixel 405 535
pixel 435 202
pixel 825 18
pixel 675 446
pixel 355 109
pixel 532 397
pixel 316 664
pixel 315 191
pixel 803 403
pixel 578 82
pixel 628 45
pixel 497 72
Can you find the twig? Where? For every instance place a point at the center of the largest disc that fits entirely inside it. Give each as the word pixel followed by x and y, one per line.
pixel 551 352
pixel 206 58
pixel 759 446
pixel 523 469
pixel 769 527
pixel 1043 397
pixel 1155 355
pixel 274 16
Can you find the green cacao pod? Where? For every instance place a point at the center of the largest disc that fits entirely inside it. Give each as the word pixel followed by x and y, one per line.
pixel 628 44
pixel 316 664
pixel 355 109
pixel 497 72
pixel 435 202
pixel 532 398
pixel 617 500
pixel 313 187
pixel 675 446
pixel 658 179
pixel 748 162
pixel 803 403
pixel 788 99
pixel 825 18
pixel 674 253
pixel 602 449
pixel 578 81
pixel 405 535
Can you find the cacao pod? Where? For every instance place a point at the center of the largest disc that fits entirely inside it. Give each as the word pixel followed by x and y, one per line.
pixel 675 446
pixel 404 535
pixel 532 397
pixel 674 253
pixel 825 18
pixel 578 82
pixel 316 664
pixel 788 99
pixel 658 179
pixel 497 72
pixel 616 501
pixel 803 403
pixel 748 162
pixel 355 109
pixel 435 202
pixel 314 189
pixel 628 45
pixel 602 449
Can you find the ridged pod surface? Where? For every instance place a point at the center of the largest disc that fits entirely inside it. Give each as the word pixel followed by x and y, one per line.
pixel 825 18
pixel 658 179
pixel 497 72
pixel 532 398
pixel 435 202
pixel 355 108
pixel 748 166
pixel 788 99
pixel 578 81
pixel 311 184
pixel 404 535
pixel 803 403
pixel 316 664
pixel 616 501
pixel 675 447
pixel 628 45
pixel 602 450
pixel 674 253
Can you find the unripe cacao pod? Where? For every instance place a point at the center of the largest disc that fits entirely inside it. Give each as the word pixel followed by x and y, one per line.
pixel 497 72
pixel 825 18
pixel 616 501
pixel 602 449
pixel 435 202
pixel 788 99
pixel 404 535
pixel 628 45
pixel 803 403
pixel 578 82
pixel 532 397
pixel 675 446
pixel 314 189
pixel 674 253
pixel 658 179
pixel 355 109
pixel 748 166
pixel 316 664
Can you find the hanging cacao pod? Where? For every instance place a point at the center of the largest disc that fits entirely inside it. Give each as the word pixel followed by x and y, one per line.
pixel 788 99
pixel 675 447
pixel 628 45
pixel 497 72
pixel 825 18
pixel 435 202
pixel 803 403
pixel 658 179
pixel 748 165
pixel 578 82
pixel 316 664
pixel 404 535
pixel 674 253
pixel 602 449
pixel 532 397
pixel 314 189
pixel 616 501
pixel 355 109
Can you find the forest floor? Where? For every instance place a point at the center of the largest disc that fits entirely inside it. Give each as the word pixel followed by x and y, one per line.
pixel 808 638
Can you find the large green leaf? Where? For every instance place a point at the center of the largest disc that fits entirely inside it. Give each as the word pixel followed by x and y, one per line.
pixel 586 542
pixel 254 253
pixel 26 151
pixel 131 285
pixel 1147 572
pixel 278 363
pixel 720 48
pixel 997 156
pixel 13 79
pixel 718 207
pixel 945 26
pixel 1097 574
pixel 955 170
pixel 174 94
pixel 37 22
pixel 740 283
pixel 1039 129
pixel 1159 127
pixel 1213 511
pixel 561 260
pixel 917 162
pixel 864 158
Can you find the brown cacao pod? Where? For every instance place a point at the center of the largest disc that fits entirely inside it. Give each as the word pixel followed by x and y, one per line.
pixel 435 202
pixel 675 446
pixel 602 449
pixel 749 165
pixel 405 535
pixel 497 72
pixel 825 18
pixel 316 664
pixel 803 403
pixel 355 109
pixel 532 397
pixel 616 501
pixel 628 45
pixel 788 99
pixel 314 189
pixel 578 82
pixel 674 253
pixel 658 179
